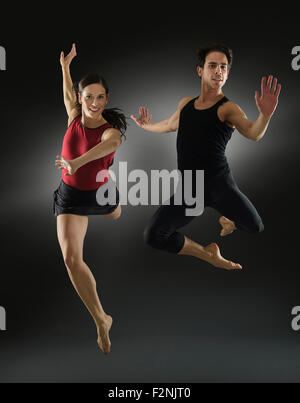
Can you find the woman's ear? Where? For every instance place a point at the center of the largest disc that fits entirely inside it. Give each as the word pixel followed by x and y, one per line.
pixel 107 98
pixel 79 98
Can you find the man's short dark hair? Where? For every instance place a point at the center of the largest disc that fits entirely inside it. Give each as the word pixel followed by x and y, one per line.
pixel 205 50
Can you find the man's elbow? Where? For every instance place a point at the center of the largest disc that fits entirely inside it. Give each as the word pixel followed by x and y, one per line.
pixel 171 128
pixel 251 136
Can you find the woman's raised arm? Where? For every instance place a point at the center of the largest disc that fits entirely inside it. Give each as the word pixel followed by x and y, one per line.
pixel 68 91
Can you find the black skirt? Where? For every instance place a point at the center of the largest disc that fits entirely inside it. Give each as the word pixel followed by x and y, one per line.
pixel 69 200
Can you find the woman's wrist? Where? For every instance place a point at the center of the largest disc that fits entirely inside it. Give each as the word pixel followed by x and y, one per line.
pixel 77 163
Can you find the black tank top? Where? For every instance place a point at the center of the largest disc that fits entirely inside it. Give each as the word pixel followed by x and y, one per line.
pixel 202 140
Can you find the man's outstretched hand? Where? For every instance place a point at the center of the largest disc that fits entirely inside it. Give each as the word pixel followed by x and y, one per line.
pixel 144 117
pixel 267 102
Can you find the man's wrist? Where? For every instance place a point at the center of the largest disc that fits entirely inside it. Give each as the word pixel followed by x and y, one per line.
pixel 265 118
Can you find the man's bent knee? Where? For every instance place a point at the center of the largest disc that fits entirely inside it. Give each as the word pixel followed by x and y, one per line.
pixel 155 238
pixel 260 227
pixel 257 227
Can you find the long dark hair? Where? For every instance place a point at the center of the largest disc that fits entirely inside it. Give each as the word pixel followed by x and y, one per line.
pixel 114 116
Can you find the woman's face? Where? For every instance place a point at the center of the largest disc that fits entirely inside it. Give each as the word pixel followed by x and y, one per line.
pixel 93 100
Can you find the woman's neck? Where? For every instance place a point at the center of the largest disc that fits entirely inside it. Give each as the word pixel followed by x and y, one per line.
pixel 92 123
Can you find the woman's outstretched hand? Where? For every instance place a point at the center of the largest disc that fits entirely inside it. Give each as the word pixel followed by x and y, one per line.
pixel 63 163
pixel 66 60
pixel 144 117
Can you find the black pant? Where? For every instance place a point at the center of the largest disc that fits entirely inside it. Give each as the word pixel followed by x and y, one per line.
pixel 220 193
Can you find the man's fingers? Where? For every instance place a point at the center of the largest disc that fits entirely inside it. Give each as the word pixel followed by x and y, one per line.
pixel 269 82
pixel 263 85
pixel 144 116
pixel 278 91
pixel 141 112
pixel 134 118
pixel 274 86
pixel 144 113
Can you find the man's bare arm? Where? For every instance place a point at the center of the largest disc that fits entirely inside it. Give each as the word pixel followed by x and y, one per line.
pixel 164 126
pixel 266 105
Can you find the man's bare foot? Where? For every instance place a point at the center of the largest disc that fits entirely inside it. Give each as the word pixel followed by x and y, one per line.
pixel 217 260
pixel 227 225
pixel 103 329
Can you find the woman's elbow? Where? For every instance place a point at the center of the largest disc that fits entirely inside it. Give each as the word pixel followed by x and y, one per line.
pixel 116 143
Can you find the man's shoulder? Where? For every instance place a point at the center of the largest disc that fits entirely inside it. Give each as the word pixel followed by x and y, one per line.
pixel 230 106
pixel 184 101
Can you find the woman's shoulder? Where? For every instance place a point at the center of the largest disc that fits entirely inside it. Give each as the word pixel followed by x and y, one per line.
pixel 73 120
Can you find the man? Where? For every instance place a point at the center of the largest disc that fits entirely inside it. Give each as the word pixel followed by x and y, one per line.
pixel 205 125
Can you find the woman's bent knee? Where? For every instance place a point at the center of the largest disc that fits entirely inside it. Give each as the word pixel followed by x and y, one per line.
pixel 72 262
pixel 115 214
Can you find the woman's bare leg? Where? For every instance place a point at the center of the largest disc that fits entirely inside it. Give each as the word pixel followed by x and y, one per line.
pixel 115 214
pixel 71 230
pixel 209 253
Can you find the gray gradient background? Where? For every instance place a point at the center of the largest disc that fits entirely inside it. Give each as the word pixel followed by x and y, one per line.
pixel 176 319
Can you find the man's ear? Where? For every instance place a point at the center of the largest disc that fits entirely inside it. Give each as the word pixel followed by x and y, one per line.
pixel 199 71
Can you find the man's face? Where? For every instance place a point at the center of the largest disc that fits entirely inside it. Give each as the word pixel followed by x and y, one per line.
pixel 215 71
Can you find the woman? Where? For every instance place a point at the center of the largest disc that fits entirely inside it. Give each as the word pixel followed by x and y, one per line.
pixel 93 135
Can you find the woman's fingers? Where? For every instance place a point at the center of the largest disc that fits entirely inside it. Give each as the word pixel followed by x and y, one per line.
pixel 60 163
pixel 70 56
